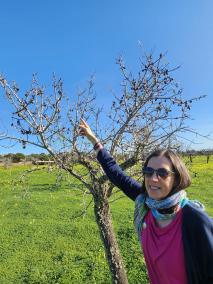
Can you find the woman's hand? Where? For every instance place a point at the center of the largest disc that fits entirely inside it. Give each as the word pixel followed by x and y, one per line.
pixel 84 130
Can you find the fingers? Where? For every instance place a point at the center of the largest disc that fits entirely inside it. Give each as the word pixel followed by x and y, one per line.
pixel 82 132
pixel 84 122
pixel 82 128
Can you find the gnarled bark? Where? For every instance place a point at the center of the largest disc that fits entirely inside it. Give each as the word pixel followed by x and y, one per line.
pixel 104 221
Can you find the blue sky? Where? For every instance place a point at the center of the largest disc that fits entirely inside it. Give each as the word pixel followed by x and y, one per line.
pixel 75 39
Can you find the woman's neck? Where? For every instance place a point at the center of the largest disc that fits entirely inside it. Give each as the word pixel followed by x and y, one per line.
pixel 169 210
pixel 164 223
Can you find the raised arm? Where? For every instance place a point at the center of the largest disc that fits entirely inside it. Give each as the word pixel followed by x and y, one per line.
pixel 113 171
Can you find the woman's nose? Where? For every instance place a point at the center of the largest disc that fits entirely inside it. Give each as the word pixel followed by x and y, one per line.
pixel 154 177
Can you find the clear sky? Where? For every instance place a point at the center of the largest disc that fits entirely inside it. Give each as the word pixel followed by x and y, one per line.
pixel 76 38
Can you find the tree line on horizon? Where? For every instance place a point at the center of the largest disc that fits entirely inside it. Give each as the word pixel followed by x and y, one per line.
pixel 20 157
pixel 33 157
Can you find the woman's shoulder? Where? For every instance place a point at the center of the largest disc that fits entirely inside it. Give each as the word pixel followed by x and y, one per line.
pixel 194 215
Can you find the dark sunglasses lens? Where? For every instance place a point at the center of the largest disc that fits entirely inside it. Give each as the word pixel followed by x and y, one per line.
pixel 148 171
pixel 162 173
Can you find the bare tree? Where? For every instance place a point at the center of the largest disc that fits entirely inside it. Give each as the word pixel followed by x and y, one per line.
pixel 149 112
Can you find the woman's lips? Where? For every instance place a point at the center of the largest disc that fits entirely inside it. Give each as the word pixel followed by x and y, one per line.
pixel 153 187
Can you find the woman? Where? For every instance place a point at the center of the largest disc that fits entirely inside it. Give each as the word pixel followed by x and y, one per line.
pixel 176 234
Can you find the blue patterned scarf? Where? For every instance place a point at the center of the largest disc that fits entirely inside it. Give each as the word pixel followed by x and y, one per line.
pixel 144 203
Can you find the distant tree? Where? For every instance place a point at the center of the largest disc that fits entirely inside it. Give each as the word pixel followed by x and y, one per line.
pixel 43 157
pixel 207 153
pixel 149 112
pixel 18 157
pixel 8 156
pixel 7 160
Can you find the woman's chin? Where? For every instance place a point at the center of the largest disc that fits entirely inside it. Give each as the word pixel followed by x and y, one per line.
pixel 155 195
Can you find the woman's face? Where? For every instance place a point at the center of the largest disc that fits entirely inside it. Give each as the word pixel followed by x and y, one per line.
pixel 157 187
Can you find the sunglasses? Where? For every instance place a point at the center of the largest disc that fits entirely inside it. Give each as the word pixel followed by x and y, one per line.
pixel 161 172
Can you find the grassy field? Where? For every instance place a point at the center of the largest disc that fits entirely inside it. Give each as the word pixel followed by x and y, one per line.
pixel 41 241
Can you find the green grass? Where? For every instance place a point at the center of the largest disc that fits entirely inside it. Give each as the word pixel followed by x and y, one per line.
pixel 41 241
pixel 202 182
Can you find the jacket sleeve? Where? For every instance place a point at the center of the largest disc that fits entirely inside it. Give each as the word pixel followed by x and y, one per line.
pixel 198 245
pixel 115 174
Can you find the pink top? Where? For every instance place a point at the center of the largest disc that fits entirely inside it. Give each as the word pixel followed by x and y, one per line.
pixel 163 251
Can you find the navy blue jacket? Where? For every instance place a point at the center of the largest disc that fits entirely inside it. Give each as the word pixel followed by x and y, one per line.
pixel 197 226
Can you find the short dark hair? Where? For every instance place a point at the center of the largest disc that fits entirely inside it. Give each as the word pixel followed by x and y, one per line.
pixel 182 177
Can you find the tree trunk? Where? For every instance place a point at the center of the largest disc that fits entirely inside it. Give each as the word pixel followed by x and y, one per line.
pixel 104 221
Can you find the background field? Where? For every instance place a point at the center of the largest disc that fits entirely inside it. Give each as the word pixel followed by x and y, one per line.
pixel 41 241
